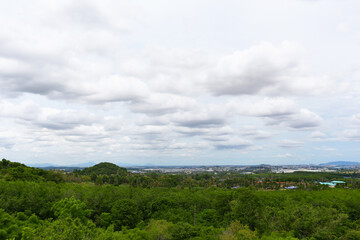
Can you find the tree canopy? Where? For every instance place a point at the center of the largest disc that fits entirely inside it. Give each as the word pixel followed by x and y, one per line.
pixel 166 206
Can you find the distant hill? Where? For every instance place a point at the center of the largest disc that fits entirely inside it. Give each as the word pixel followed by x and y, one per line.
pixel 340 163
pixel 51 165
pixel 61 168
pixel 82 165
pixel 104 168
pixel 41 165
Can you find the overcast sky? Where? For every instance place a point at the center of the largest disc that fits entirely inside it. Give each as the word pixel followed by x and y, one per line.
pixel 180 82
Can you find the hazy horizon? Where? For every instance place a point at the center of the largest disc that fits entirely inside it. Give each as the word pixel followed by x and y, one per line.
pixel 180 82
pixel 152 165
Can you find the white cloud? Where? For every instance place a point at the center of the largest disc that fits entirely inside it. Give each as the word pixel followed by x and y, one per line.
pixel 31 113
pixel 317 135
pixel 211 117
pixel 233 144
pixel 351 134
pixel 65 119
pixel 7 139
pixel 10 66
pixel 173 70
pixel 355 119
pixel 162 103
pixel 255 133
pixel 303 119
pixel 326 149
pixel 286 155
pixel 290 144
pixel 25 110
pixel 267 107
pixel 278 111
pixel 112 89
pixel 268 70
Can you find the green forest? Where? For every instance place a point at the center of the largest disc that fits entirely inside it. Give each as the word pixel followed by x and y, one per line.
pixel 109 202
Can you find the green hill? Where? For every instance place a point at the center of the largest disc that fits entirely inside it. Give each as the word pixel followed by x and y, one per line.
pixel 5 164
pixel 17 171
pixel 104 168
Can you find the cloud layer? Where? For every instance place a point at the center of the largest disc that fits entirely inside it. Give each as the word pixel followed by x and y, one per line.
pixel 122 82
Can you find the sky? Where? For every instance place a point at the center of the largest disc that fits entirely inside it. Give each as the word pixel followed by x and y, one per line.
pixel 198 82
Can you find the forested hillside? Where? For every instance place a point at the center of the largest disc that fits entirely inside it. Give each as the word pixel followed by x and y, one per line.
pixel 103 168
pixel 17 171
pixel 141 206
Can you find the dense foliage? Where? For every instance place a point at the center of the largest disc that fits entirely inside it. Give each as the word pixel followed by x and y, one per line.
pixel 36 208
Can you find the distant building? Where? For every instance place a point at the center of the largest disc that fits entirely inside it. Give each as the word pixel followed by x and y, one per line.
pixel 328 183
pixel 332 184
pixel 338 182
